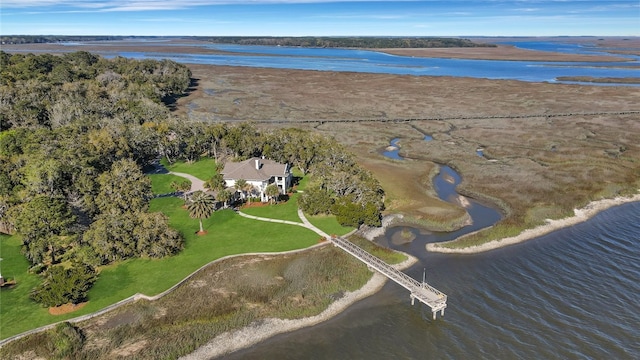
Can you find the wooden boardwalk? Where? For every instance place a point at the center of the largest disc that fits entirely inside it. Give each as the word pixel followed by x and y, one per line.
pixel 425 293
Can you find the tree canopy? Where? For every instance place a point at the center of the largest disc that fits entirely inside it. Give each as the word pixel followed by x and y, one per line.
pixel 76 130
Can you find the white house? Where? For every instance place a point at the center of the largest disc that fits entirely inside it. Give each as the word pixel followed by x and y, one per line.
pixel 260 173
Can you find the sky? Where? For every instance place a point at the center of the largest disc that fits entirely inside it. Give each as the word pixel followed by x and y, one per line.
pixel 321 17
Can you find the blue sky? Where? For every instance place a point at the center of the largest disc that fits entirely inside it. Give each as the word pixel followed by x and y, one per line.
pixel 321 18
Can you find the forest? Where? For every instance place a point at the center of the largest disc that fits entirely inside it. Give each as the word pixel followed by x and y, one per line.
pixel 78 130
pixel 304 41
pixel 349 42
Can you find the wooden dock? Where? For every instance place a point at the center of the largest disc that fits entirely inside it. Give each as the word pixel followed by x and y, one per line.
pixel 422 291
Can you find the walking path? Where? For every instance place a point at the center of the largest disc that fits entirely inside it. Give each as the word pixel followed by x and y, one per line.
pixel 305 223
pixel 196 184
pixel 425 293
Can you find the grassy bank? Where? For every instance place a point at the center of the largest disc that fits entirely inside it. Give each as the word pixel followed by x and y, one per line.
pixel 228 234
pixel 224 296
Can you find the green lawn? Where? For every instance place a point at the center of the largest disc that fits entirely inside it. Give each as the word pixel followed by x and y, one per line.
pixel 329 224
pixel 203 169
pixel 161 183
pixel 16 309
pixel 283 210
pixel 303 180
pixel 228 234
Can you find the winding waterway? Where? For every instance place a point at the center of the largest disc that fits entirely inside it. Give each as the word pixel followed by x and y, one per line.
pixel 572 294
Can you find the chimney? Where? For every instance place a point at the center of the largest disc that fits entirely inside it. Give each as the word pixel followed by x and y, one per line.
pixel 257 164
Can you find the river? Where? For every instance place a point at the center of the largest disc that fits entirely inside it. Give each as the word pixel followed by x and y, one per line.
pixel 355 60
pixel 571 294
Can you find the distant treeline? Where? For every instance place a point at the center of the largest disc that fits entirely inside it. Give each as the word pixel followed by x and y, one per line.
pixel 348 42
pixel 322 42
pixel 37 39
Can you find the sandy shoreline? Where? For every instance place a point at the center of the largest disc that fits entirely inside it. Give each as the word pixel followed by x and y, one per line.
pixel 239 339
pixel 580 215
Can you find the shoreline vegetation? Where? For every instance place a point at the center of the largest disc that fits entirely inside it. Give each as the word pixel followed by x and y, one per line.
pixel 579 216
pixel 243 338
pixel 246 323
pixel 600 80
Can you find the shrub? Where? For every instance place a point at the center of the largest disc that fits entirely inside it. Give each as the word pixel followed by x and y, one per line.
pixel 65 285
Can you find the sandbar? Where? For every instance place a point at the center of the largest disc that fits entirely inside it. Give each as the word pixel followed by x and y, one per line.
pixel 580 215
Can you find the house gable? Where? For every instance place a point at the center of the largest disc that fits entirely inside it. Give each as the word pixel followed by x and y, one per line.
pixel 254 169
pixel 259 173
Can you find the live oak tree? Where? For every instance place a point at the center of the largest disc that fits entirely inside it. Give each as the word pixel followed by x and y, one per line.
pixel 316 200
pixel 118 236
pixel 124 188
pixel 72 136
pixel 44 223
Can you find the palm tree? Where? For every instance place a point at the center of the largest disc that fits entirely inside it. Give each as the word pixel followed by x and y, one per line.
pixel 183 186
pixel 201 206
pixel 272 191
pixel 224 195
pixel 240 185
pixel 216 182
pixel 248 188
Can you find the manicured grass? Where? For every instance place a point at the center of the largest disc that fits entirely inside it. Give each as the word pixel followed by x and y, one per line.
pixel 161 183
pixel 329 224
pixel 289 211
pixel 283 210
pixel 17 310
pixel 203 169
pixel 246 289
pixel 302 180
pixel 228 234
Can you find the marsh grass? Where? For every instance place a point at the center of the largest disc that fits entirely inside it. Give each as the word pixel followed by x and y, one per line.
pixel 437 221
pixel 226 295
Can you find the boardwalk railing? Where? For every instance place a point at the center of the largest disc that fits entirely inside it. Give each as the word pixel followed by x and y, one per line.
pixel 425 293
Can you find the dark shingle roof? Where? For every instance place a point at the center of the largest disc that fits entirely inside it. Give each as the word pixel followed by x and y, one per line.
pixel 247 170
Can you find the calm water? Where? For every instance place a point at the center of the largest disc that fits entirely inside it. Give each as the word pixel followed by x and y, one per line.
pixel 376 62
pixel 572 294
